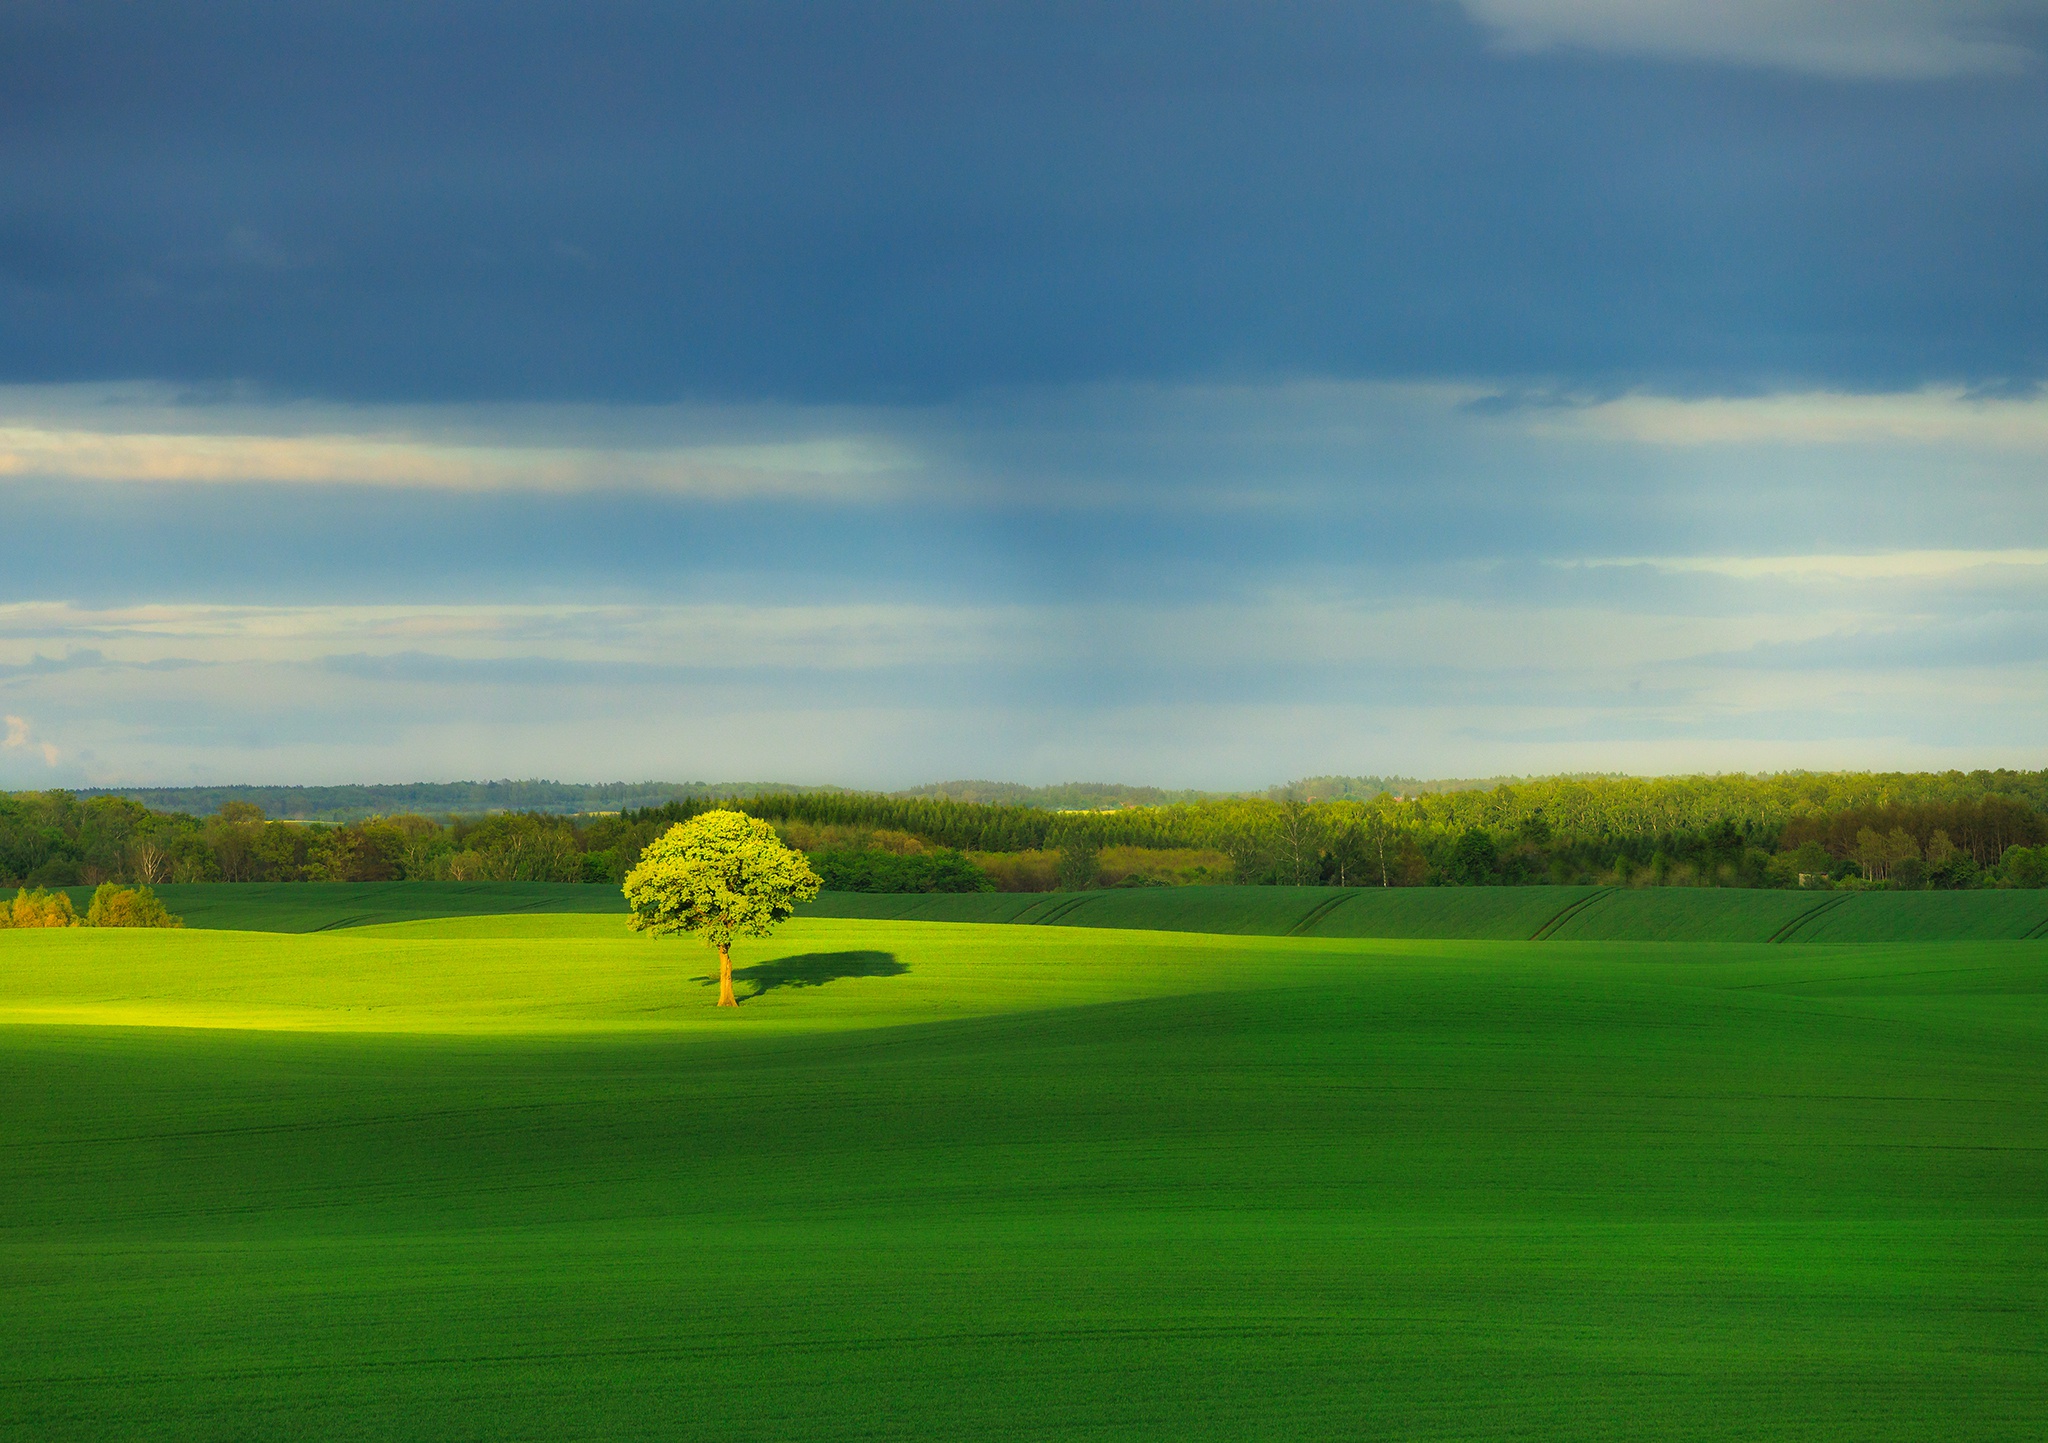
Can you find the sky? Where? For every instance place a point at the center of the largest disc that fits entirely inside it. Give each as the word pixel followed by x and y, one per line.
pixel 1200 395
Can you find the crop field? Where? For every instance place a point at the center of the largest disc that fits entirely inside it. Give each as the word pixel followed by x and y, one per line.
pixel 320 906
pixel 1491 913
pixel 1604 914
pixel 514 1177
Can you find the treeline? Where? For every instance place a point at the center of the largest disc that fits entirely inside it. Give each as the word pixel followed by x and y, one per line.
pixel 1060 797
pixel 1836 829
pixel 354 803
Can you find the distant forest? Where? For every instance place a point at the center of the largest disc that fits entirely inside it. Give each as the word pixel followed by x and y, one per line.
pixel 355 803
pixel 1839 829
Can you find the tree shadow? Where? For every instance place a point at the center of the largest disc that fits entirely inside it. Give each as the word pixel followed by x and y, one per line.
pixel 813 969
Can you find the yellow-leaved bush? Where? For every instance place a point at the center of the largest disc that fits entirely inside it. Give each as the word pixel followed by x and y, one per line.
pixel 116 906
pixel 112 906
pixel 38 909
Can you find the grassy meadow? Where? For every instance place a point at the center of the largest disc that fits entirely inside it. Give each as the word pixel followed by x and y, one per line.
pixel 1603 914
pixel 514 1177
pixel 1560 914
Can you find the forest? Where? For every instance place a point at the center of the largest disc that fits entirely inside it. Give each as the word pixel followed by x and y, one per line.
pixel 1846 829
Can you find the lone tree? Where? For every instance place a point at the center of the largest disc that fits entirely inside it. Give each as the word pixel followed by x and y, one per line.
pixel 721 875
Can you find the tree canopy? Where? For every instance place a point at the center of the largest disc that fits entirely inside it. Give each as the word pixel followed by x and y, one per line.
pixel 722 876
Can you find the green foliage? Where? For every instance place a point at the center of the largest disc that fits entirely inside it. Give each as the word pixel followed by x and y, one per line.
pixel 1474 858
pixel 354 803
pixel 1078 861
pixel 1946 831
pixel 2023 867
pixel 722 875
pixel 870 870
pixel 116 906
pixel 1063 797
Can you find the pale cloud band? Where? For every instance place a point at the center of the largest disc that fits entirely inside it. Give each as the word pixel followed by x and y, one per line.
pixel 1997 566
pixel 1864 660
pixel 1944 416
pixel 880 456
pixel 1867 39
pixel 851 469
pixel 1455 583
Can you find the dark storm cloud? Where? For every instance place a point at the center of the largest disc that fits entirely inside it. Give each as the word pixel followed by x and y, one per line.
pixel 875 202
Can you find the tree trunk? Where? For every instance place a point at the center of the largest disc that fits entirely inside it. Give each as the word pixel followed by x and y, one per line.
pixel 725 997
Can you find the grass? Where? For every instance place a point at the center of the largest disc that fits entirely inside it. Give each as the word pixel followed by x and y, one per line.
pixel 322 906
pixel 1663 914
pixel 515 1177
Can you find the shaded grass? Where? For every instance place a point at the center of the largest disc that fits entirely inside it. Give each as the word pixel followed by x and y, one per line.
pixel 1671 914
pixel 1683 914
pixel 322 906
pixel 1039 1183
pixel 1501 913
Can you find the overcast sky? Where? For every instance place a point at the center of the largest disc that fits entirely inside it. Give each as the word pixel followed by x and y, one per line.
pixel 1200 395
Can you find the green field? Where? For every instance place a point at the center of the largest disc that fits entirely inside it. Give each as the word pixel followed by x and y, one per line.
pixel 516 1178
pixel 1560 914
pixel 322 906
pixel 1603 914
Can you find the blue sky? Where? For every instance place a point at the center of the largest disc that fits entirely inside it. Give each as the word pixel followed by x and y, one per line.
pixel 1199 395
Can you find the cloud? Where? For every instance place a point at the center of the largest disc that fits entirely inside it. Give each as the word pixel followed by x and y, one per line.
pixel 847 468
pixel 18 738
pixel 1781 661
pixel 367 640
pixel 1865 39
pixel 1202 585
pixel 1879 566
pixel 713 205
pixel 1931 416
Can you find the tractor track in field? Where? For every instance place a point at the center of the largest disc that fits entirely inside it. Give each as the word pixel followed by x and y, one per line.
pixel 1567 912
pixel 1317 913
pixel 1058 913
pixel 1792 928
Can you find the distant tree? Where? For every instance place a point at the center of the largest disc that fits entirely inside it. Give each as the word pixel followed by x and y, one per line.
pixel 116 906
pixel 152 863
pixel 722 875
pixel 1348 856
pixel 1078 860
pixel 2024 867
pixel 1378 833
pixel 39 909
pixel 1298 836
pixel 1474 858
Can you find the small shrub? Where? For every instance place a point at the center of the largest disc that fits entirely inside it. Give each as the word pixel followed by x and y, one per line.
pixel 1161 866
pixel 39 909
pixel 1035 871
pixel 1079 862
pixel 117 906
